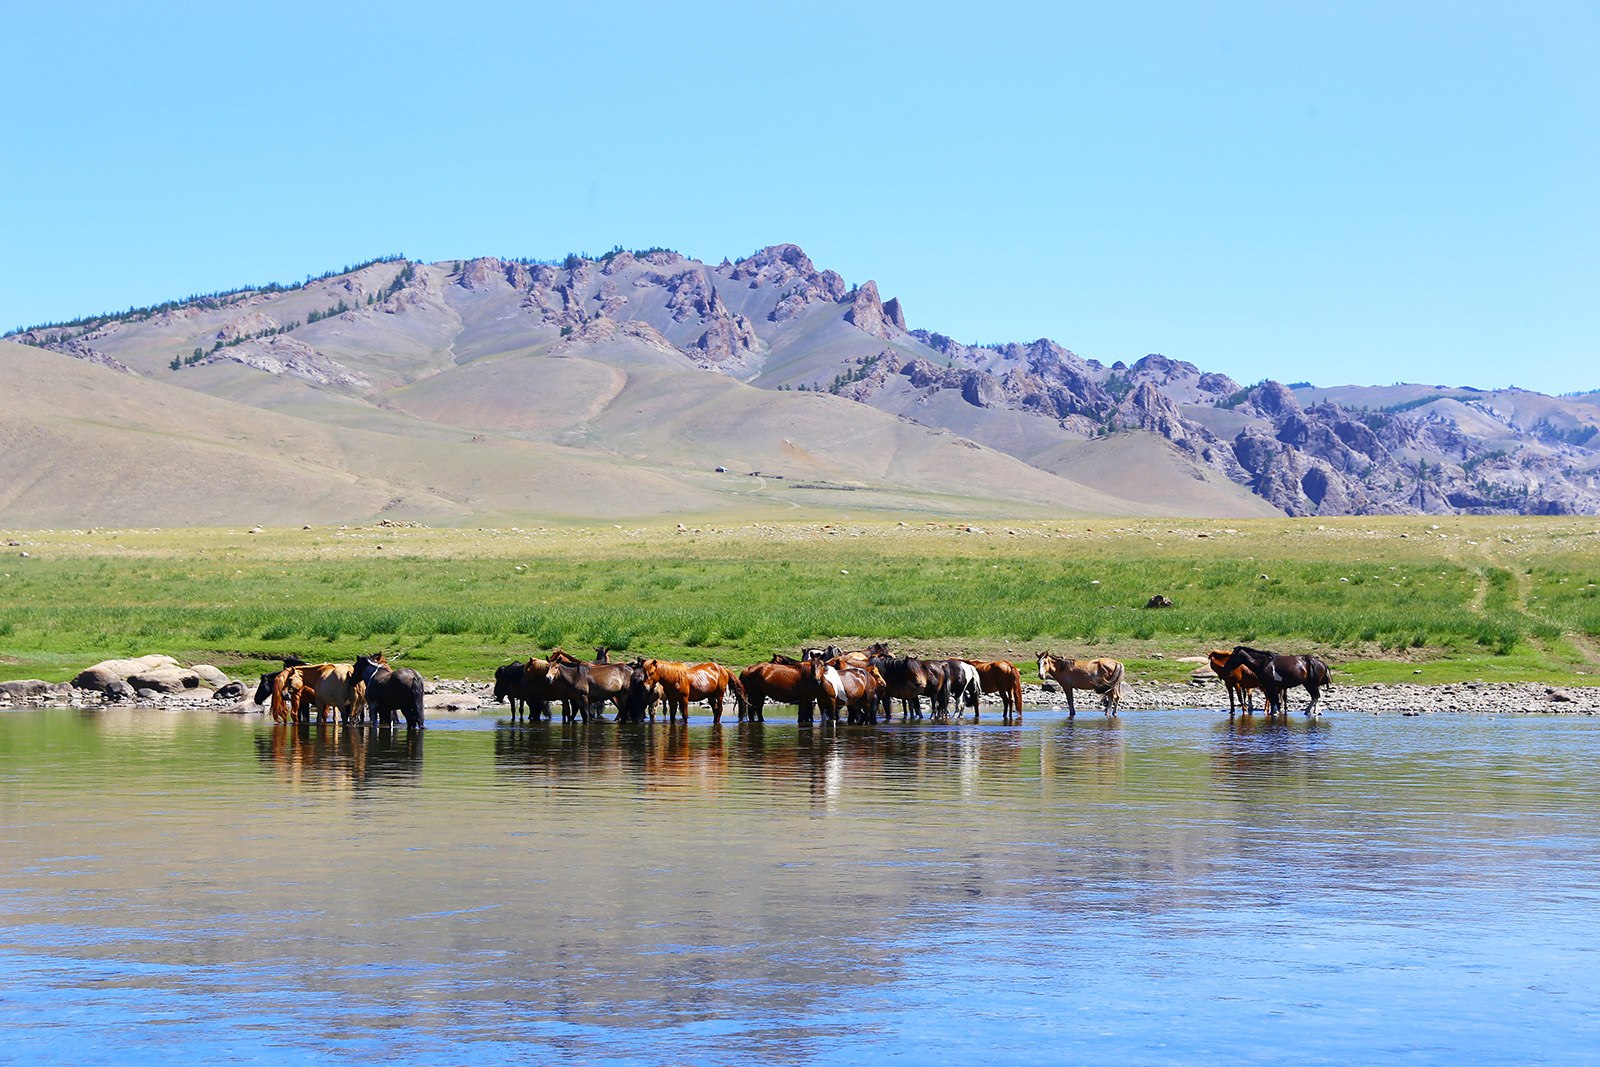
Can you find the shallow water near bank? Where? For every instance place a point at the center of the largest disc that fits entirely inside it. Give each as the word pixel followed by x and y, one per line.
pixel 1167 887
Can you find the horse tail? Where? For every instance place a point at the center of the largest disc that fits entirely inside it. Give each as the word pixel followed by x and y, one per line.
pixel 1118 686
pixel 740 701
pixel 414 714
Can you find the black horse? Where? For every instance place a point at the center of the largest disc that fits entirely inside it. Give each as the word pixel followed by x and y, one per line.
pixel 389 691
pixel 1279 673
pixel 636 704
pixel 264 690
pixel 511 683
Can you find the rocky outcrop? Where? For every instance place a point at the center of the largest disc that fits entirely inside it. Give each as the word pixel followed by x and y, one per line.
pixel 78 350
pixel 866 312
pixel 893 313
pixel 601 331
pixel 286 355
pixel 254 324
pixel 728 340
pixel 787 268
pixel 481 273
pixel 30 688
pixel 692 295
pixel 778 265
pixel 1147 408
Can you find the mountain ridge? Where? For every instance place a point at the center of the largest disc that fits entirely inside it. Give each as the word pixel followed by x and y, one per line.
pixel 545 354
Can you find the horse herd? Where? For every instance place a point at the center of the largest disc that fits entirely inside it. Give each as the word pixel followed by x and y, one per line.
pixel 858 687
pixel 365 690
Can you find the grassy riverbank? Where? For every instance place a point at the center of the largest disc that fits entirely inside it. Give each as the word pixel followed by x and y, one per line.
pixel 1498 599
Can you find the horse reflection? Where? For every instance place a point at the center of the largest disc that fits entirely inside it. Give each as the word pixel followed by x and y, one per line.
pixel 314 754
pixel 1267 755
pixel 1093 751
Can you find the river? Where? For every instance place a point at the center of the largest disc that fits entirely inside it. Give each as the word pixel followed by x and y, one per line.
pixel 1167 887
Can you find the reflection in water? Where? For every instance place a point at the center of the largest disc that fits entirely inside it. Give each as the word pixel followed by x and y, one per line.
pixel 1160 887
pixel 1251 753
pixel 327 754
pixel 1083 749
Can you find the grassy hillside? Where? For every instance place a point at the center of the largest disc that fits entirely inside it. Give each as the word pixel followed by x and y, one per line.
pixel 1496 599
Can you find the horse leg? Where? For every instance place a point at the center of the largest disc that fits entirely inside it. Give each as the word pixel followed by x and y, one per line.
pixel 1072 711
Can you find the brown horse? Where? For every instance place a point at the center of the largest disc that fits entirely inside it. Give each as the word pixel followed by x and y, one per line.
pixel 681 683
pixel 911 679
pixel 801 684
pixel 998 676
pixel 1239 680
pixel 1103 676
pixel 325 685
pixel 855 689
pixel 1278 674
pixel 589 685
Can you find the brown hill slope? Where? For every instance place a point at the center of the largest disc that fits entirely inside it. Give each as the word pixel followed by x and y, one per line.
pixel 83 445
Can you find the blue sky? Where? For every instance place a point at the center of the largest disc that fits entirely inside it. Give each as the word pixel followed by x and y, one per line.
pixel 1334 192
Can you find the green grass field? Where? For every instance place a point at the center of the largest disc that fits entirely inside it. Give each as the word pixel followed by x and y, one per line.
pixel 1453 598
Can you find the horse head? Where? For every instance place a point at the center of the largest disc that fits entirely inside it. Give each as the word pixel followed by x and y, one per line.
pixel 368 666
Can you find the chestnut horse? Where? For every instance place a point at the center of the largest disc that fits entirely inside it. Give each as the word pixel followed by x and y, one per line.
pixel 998 676
pixel 325 685
pixel 1240 679
pixel 853 688
pixel 681 683
pixel 1103 676
pixel 801 684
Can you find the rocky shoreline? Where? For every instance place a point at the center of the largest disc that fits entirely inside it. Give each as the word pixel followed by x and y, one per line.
pixel 447 696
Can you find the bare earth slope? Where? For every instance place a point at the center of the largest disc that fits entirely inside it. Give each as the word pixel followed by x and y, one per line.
pixel 83 445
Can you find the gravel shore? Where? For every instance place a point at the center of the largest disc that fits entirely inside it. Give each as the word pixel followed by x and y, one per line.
pixel 448 696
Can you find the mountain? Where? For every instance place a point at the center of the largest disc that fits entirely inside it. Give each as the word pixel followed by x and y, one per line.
pixel 616 387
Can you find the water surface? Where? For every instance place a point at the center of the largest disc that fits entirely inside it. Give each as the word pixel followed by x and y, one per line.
pixel 1167 887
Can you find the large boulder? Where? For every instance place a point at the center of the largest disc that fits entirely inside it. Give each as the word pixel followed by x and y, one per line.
pixel 211 675
pixel 165 680
pixel 105 672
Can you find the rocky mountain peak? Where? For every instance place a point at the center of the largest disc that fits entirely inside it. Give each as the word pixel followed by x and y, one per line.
pixel 867 312
pixel 1273 399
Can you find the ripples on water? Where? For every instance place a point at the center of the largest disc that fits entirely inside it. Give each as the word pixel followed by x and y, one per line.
pixel 1170 887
